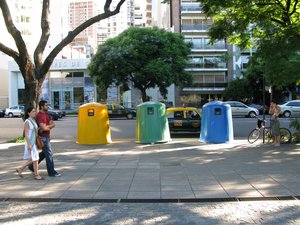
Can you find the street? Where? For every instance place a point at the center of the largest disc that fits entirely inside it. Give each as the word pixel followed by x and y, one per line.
pixel 183 182
pixel 66 128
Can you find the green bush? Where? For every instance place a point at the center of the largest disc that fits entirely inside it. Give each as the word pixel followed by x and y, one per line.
pixel 17 140
pixel 295 123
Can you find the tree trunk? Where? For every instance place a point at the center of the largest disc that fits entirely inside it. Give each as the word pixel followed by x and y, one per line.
pixel 33 88
pixel 34 74
pixel 144 95
pixel 33 91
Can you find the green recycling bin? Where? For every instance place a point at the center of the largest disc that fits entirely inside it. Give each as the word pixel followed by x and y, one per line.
pixel 152 123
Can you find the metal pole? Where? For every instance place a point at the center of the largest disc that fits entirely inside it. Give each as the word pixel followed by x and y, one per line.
pixel 264 107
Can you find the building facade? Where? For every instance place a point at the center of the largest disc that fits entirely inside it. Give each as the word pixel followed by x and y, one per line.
pixel 24 19
pixel 210 65
pixel 79 11
pixel 67 85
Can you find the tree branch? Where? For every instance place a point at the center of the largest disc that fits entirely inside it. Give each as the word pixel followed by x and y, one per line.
pixel 10 52
pixel 38 53
pixel 288 5
pixel 14 32
pixel 72 34
pixel 280 4
pixel 294 7
pixel 107 5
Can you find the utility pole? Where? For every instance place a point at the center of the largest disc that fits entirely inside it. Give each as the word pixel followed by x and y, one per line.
pixel 264 105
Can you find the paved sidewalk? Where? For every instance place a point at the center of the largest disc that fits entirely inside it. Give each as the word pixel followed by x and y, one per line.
pixel 183 170
pixel 209 213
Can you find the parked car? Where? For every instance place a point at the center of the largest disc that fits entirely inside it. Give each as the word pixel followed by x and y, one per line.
pixel 290 108
pixel 59 112
pixel 2 113
pixel 184 119
pixel 54 114
pixel 240 109
pixel 260 108
pixel 16 110
pixel 117 110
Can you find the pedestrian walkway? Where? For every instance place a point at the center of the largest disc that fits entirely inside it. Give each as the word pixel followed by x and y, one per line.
pixel 182 170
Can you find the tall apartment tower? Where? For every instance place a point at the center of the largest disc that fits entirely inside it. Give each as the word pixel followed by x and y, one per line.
pixel 79 12
pixel 123 20
pixel 207 63
pixel 155 13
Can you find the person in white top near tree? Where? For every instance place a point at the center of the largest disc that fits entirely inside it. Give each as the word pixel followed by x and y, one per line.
pixel 31 151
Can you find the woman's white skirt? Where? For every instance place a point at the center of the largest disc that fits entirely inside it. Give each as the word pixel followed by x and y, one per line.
pixel 34 153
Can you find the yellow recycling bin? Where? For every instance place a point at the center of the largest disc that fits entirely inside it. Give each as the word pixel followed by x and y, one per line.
pixel 93 124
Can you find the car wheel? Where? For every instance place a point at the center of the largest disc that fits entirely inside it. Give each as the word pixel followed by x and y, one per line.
pixel 252 114
pixel 129 116
pixel 10 115
pixel 287 114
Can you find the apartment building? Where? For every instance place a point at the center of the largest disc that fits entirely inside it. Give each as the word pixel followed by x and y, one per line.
pixel 209 64
pixel 67 84
pixel 24 20
pixel 79 12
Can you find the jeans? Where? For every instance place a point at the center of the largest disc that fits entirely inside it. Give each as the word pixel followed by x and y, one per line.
pixel 46 153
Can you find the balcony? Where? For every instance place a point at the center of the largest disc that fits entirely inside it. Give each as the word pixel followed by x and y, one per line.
pixel 195 27
pixel 190 8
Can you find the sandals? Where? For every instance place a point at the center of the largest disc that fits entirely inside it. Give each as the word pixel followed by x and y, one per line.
pixel 19 172
pixel 39 178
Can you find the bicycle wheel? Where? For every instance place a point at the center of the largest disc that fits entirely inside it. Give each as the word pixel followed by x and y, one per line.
pixel 253 135
pixel 285 135
pixel 268 136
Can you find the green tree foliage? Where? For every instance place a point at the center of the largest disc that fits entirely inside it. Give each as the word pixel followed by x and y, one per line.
pixel 280 60
pixel 143 57
pixel 237 90
pixel 271 26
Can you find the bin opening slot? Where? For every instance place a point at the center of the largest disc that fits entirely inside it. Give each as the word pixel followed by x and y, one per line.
pixel 91 112
pixel 218 111
pixel 150 111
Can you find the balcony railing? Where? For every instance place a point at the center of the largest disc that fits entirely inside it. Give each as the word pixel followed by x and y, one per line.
pixel 185 27
pixel 207 46
pixel 190 8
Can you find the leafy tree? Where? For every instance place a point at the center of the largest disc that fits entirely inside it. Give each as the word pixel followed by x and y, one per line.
pixel 280 60
pixel 143 57
pixel 34 70
pixel 273 26
pixel 237 90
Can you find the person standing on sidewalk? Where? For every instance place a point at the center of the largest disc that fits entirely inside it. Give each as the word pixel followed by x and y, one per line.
pixel 274 111
pixel 46 124
pixel 30 151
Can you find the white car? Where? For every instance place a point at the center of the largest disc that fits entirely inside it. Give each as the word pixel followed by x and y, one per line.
pixel 16 110
pixel 240 109
pixel 290 108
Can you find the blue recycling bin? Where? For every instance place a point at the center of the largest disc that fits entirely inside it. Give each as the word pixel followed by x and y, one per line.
pixel 216 123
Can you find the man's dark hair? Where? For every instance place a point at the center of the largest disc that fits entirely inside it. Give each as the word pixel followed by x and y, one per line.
pixel 42 103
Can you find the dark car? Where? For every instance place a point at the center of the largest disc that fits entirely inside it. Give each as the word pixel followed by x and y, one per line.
pixel 53 114
pixel 259 107
pixel 59 112
pixel 2 113
pixel 117 110
pixel 184 119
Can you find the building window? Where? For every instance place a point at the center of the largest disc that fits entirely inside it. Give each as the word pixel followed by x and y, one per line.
pixel 77 74
pixel 21 96
pixel 78 95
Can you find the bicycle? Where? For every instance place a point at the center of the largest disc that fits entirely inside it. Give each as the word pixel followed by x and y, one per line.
pixel 285 134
